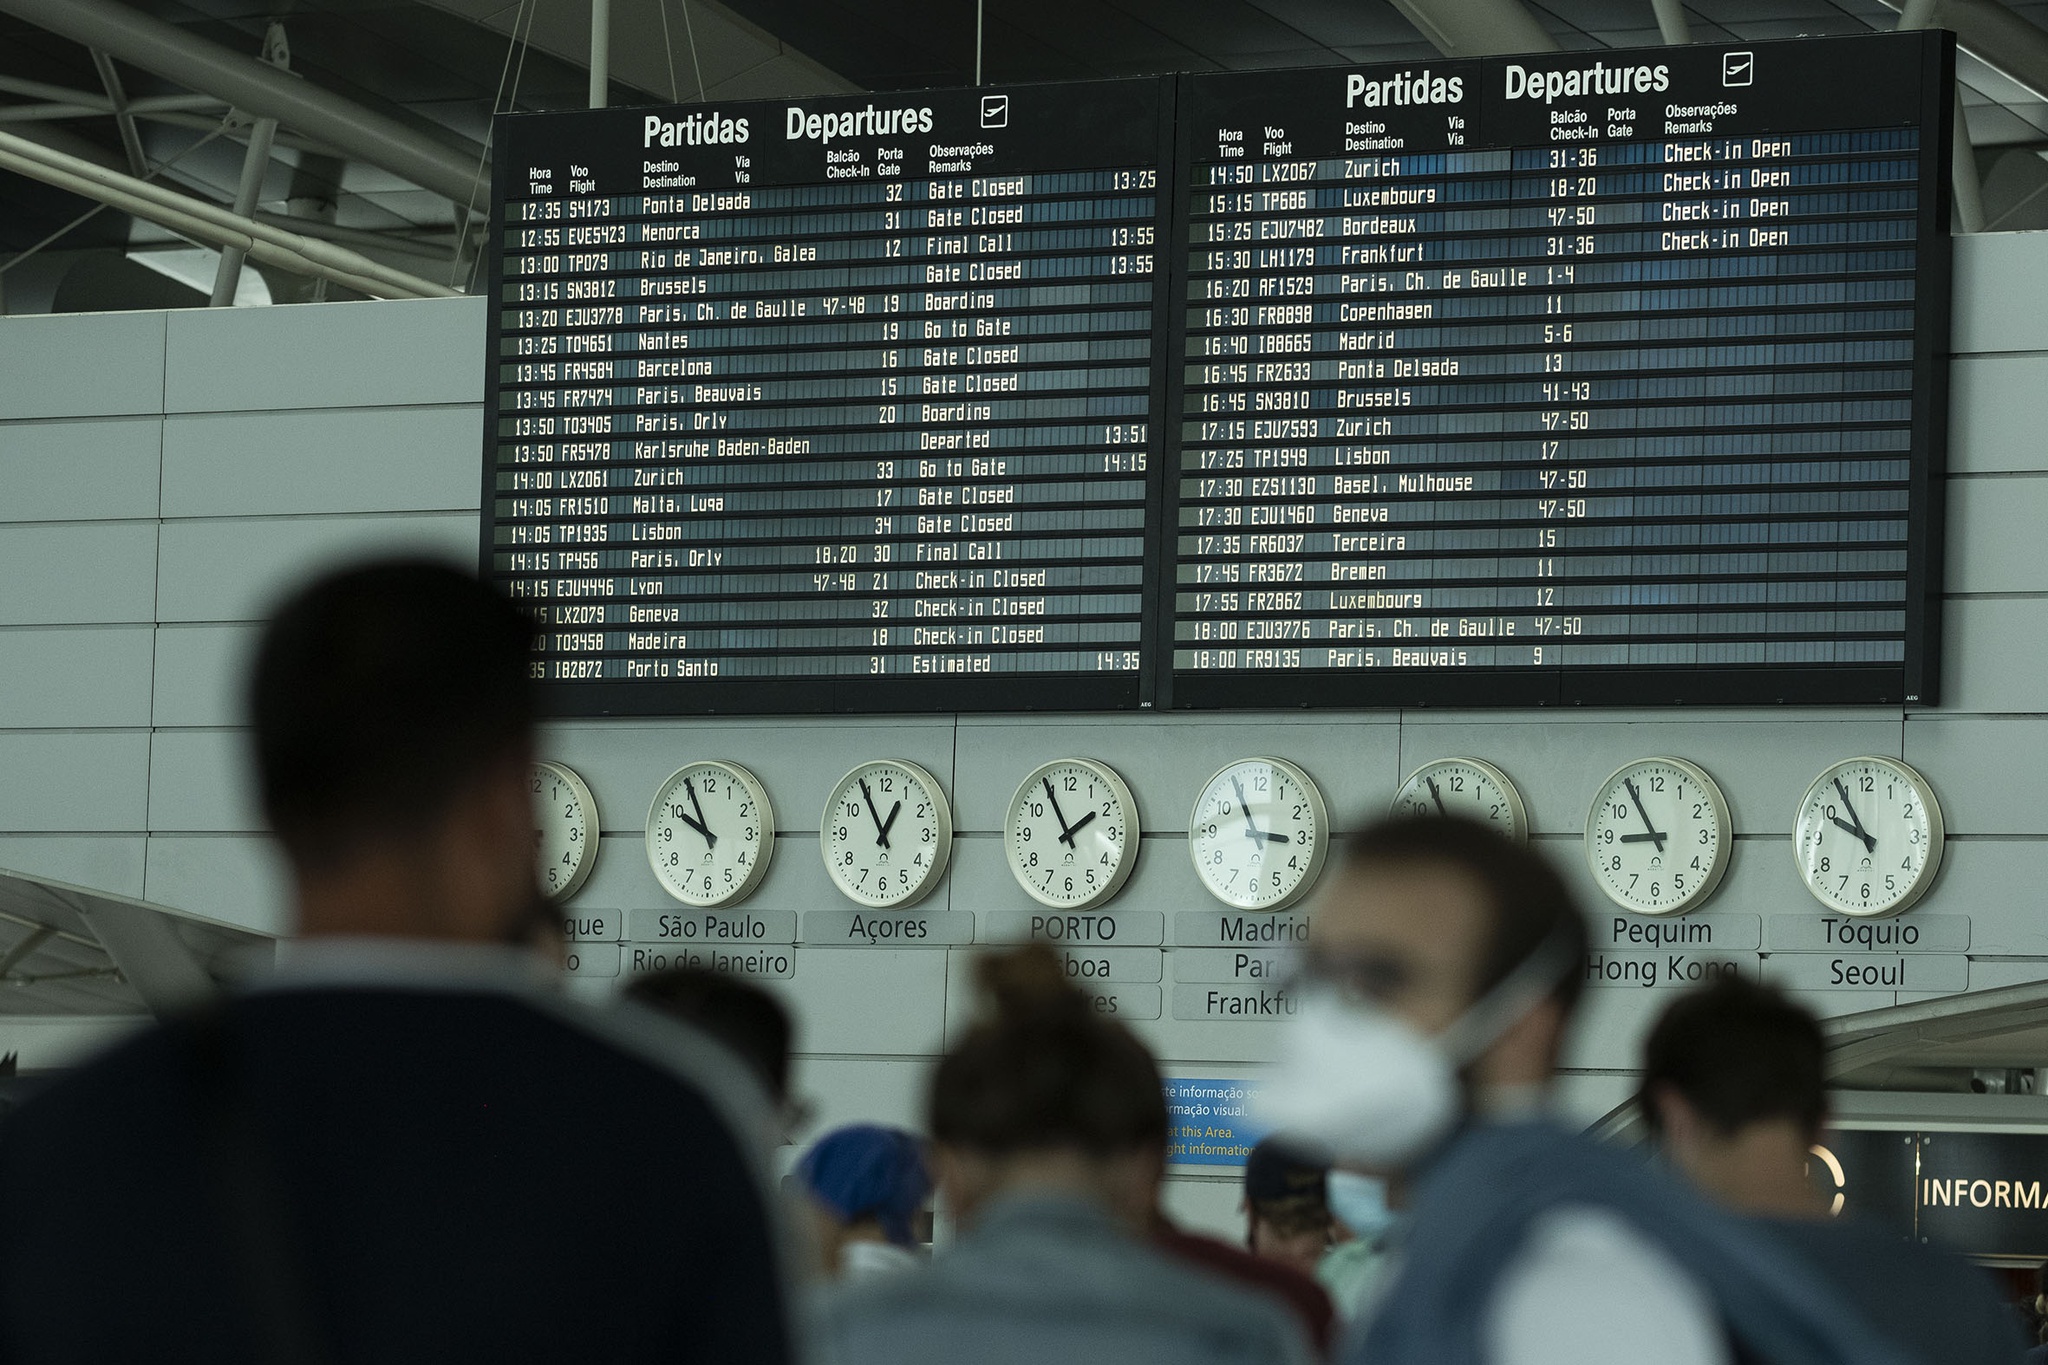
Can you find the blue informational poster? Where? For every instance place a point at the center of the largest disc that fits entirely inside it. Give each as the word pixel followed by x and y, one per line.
pixel 1212 1121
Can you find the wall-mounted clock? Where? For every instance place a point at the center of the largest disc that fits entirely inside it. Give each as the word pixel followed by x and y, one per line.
pixel 886 833
pixel 1469 787
pixel 1869 837
pixel 1658 836
pixel 1258 834
pixel 1071 834
pixel 710 833
pixel 565 830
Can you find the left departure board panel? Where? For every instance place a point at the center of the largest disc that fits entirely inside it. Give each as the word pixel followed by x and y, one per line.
pixel 832 405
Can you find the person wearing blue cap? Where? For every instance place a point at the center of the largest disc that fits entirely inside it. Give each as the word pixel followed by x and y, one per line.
pixel 864 1186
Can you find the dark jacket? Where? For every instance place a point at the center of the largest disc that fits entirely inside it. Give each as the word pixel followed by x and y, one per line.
pixel 455 1168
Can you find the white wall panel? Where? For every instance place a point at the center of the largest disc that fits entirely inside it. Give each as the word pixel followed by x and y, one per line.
pixel 868 1000
pixel 202 780
pixel 1991 775
pixel 1994 655
pixel 234 879
pixel 1994 537
pixel 89 781
pixel 411 459
pixel 329 355
pixel 48 1044
pixel 797 759
pixel 201 672
pixel 237 569
pixel 98 862
pixel 2000 292
pixel 842 1090
pixel 1762 764
pixel 80 676
pixel 79 470
pixel 1995 413
pixel 82 364
pixel 79 573
pixel 1166 759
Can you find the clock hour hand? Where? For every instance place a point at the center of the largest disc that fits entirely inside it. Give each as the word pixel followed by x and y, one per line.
pixel 1066 830
pixel 700 824
pixel 1436 796
pixel 1655 836
pixel 1869 843
pixel 881 830
pixel 1641 838
pixel 1077 827
pixel 890 823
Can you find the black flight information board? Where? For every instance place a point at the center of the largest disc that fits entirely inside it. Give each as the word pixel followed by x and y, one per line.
pixel 1600 377
pixel 1609 378
pixel 837 404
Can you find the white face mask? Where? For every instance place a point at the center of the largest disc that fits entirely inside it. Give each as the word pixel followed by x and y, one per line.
pixel 1360 1203
pixel 1355 1083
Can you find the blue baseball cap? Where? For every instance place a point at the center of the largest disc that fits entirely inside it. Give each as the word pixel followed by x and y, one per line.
pixel 868 1171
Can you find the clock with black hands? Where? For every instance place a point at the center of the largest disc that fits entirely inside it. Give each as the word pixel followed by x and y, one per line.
pixel 1071 834
pixel 886 834
pixel 710 834
pixel 1869 837
pixel 1467 787
pixel 1258 834
pixel 1658 836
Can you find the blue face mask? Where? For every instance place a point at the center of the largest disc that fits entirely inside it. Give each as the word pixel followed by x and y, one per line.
pixel 1360 1203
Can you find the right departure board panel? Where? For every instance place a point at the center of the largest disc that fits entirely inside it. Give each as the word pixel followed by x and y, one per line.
pixel 1605 378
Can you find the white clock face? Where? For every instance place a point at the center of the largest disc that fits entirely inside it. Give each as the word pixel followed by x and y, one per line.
pixel 564 830
pixel 1257 834
pixel 1071 834
pixel 710 834
pixel 1658 837
pixel 1465 787
pixel 886 833
pixel 1869 837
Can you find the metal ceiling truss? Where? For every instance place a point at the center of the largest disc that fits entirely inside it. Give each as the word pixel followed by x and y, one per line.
pixel 260 92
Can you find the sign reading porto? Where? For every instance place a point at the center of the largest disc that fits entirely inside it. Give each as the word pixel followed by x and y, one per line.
pixel 831 405
pixel 1554 379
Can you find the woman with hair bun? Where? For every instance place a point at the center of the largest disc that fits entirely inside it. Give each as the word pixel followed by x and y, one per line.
pixel 1049 1129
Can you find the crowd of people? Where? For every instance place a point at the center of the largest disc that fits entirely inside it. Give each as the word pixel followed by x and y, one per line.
pixel 406 1146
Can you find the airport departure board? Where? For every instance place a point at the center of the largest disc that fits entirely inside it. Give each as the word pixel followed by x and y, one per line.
pixel 1591 377
pixel 837 404
pixel 1613 377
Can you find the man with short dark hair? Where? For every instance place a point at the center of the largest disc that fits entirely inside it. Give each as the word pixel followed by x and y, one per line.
pixel 1733 1088
pixel 403 1147
pixel 1442 969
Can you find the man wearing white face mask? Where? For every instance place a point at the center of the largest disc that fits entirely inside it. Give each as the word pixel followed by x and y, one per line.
pixel 1443 968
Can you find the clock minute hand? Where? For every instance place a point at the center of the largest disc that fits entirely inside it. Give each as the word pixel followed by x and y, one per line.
pixel 1869 843
pixel 1066 830
pixel 1251 829
pixel 700 824
pixel 881 830
pixel 1656 837
pixel 1436 796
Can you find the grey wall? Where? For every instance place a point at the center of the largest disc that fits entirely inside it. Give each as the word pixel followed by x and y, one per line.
pixel 164 476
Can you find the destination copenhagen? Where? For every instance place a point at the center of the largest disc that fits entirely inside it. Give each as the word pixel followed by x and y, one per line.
pixel 1442 372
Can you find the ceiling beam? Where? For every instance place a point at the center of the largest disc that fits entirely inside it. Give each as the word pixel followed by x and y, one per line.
pixel 1477 28
pixel 262 91
pixel 152 957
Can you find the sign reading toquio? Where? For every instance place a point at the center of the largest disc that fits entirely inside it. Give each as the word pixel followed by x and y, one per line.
pixel 1212 1123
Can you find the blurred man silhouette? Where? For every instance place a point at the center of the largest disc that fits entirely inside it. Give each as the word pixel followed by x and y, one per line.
pixel 1442 971
pixel 1733 1087
pixel 401 1148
